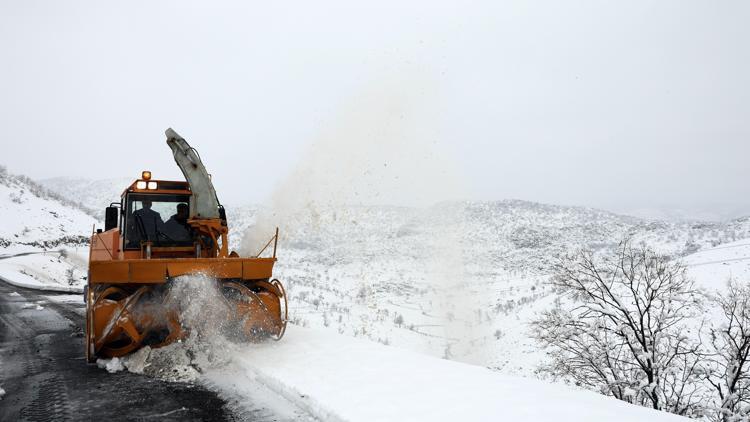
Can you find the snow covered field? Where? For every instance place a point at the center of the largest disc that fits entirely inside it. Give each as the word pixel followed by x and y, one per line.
pixel 337 378
pixel 456 280
pixel 443 287
pixel 712 268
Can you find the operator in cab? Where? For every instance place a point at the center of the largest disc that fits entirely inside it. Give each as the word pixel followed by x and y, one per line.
pixel 177 228
pixel 145 223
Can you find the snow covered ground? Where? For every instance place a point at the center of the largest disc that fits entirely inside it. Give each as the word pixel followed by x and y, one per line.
pixel 35 216
pixel 456 280
pixel 343 379
pixel 62 269
pixel 330 377
pixel 712 268
pixel 43 237
pixel 443 286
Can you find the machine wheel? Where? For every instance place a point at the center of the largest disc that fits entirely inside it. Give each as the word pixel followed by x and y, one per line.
pixel 255 309
pixel 112 326
pixel 285 315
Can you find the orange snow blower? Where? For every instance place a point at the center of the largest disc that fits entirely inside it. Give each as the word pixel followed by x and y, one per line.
pixel 141 254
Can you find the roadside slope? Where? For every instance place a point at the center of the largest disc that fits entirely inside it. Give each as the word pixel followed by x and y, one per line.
pixel 44 236
pixel 338 378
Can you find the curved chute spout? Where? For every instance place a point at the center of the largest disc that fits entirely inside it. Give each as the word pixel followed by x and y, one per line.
pixel 204 203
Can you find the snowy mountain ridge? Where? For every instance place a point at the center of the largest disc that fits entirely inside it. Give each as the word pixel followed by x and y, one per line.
pixel 35 215
pixel 94 194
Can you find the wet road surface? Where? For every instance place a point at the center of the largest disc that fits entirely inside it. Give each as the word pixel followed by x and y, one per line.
pixel 46 377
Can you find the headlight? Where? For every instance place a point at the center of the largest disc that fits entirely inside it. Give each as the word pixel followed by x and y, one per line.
pixel 141 184
pixel 152 185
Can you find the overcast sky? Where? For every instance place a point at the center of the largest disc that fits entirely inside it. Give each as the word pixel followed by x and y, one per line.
pixel 614 104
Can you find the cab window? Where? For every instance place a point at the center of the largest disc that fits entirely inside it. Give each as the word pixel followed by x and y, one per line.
pixel 157 218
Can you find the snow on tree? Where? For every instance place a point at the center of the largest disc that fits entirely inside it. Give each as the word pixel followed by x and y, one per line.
pixel 730 341
pixel 398 320
pixel 622 327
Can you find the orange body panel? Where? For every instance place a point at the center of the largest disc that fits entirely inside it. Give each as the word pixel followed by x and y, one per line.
pixel 257 268
pixel 156 271
pixel 105 246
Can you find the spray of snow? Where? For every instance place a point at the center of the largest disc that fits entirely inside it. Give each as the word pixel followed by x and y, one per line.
pixel 455 301
pixel 111 365
pixel 210 341
pixel 384 148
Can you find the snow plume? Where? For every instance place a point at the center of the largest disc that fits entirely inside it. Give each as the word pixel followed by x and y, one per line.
pixel 200 304
pixel 383 148
pixel 203 312
pixel 457 303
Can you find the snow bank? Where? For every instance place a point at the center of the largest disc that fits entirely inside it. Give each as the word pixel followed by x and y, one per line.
pixel 36 306
pixel 340 378
pixel 34 268
pixel 19 279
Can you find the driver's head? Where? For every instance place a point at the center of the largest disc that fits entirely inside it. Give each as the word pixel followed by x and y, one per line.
pixel 182 211
pixel 146 204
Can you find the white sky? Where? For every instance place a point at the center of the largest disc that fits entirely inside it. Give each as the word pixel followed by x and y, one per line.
pixel 614 104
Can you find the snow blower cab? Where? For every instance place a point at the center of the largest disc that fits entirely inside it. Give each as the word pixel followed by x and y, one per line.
pixel 162 230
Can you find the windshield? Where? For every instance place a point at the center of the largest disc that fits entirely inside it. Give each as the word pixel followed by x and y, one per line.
pixel 161 219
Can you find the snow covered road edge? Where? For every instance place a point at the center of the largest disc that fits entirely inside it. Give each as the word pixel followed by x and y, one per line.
pixel 40 287
pixel 333 377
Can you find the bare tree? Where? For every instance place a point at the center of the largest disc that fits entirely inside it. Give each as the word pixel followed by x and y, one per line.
pixel 730 341
pixel 622 326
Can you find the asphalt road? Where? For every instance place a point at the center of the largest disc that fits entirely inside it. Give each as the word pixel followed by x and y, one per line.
pixel 45 375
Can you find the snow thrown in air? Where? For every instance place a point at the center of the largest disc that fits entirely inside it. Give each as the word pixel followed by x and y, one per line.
pixel 203 313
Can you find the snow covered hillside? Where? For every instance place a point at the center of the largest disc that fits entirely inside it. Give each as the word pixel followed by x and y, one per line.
pixel 713 267
pixel 36 222
pixel 94 194
pixel 35 215
pixel 458 280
